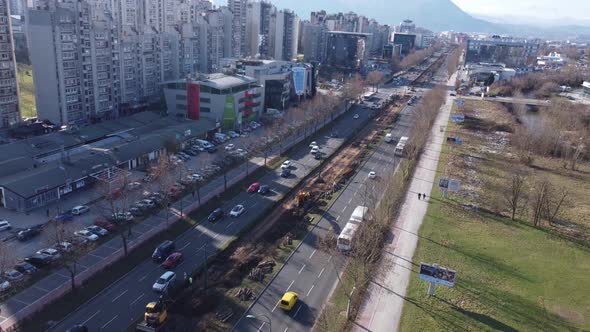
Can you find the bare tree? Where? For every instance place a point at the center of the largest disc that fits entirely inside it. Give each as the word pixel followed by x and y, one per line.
pixel 556 197
pixel 453 61
pixel 375 78
pixel 540 193
pixel 516 194
pixel 7 258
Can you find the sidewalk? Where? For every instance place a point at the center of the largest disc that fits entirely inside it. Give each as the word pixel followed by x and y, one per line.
pixel 382 307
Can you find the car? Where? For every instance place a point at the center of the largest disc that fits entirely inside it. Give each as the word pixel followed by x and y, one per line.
pixel 229 147
pixel 78 328
pixel 163 250
pixel 184 155
pixel 356 116
pixel 286 164
pixel 39 260
pixel 13 275
pixel 372 175
pixel 285 173
pixel 133 185
pixel 25 268
pixel 233 134
pixel 80 209
pixel 264 189
pixel 190 152
pixel 318 156
pixel 64 216
pixel 64 246
pixel 216 215
pixel 54 254
pixel 374 107
pixel 121 216
pixel 4 286
pixel 103 223
pixel 165 280
pixel 172 260
pixel 135 211
pixel 197 177
pixel 197 148
pixel 5 225
pixel 288 301
pixel 28 233
pixel 254 187
pixel 314 150
pixel 87 235
pixel 237 211
pixel 212 149
pixel 148 203
pixel 452 95
pixel 97 230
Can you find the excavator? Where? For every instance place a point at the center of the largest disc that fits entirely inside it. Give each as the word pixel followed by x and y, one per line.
pixel 155 316
pixel 302 196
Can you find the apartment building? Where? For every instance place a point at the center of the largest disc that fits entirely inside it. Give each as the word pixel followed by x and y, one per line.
pixel 314 41
pixel 213 29
pixel 238 9
pixel 284 35
pixel 9 104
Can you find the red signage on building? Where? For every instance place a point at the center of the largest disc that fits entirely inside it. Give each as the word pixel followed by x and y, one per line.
pixel 192 101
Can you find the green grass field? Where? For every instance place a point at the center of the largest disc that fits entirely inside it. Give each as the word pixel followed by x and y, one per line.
pixel 511 276
pixel 26 91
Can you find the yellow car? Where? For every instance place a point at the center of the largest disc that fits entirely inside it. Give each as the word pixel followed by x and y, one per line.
pixel 288 301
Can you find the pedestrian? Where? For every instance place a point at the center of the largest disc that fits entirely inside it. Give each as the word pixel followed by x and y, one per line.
pixel 419 196
pixel 190 281
pixel 424 196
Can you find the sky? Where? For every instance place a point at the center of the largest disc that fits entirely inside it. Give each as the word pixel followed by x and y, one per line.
pixel 546 9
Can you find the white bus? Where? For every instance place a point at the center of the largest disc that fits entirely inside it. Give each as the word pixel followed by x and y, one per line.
pixel 399 148
pixel 369 95
pixel 346 238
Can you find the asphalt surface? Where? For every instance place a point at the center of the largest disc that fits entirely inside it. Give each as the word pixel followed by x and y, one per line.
pixel 311 272
pixel 116 307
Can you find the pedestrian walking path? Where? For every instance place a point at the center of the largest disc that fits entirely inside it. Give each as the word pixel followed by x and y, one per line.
pixel 382 307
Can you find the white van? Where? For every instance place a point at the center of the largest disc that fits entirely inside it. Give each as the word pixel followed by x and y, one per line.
pixel 388 138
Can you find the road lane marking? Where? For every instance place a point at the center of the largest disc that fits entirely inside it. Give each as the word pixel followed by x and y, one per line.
pixel 276 305
pixel 42 289
pixel 186 245
pixel 101 257
pixel 107 323
pixel 23 302
pixel 310 256
pixel 291 284
pixel 301 269
pixel 286 328
pixel 337 218
pixel 143 278
pixel 312 286
pixel 322 271
pixel 216 235
pixel 261 325
pixel 344 208
pixel 137 299
pixel 229 225
pixel 89 318
pixel 62 275
pixel 349 201
pixel 296 312
pixel 118 296
pixel 253 205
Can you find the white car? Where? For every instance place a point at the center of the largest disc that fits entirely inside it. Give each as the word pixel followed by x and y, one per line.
pixel 97 230
pixel 4 225
pixel 356 116
pixel 133 185
pixel 312 144
pixel 4 286
pixel 87 235
pixel 164 281
pixel 229 147
pixel 196 177
pixel 286 164
pixel 64 246
pixel 315 150
pixel 372 175
pixel 52 253
pixel 233 134
pixel 237 211
pixel 80 209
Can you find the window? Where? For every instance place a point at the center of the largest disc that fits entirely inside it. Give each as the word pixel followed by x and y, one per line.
pixel 205 89
pixel 205 109
pixel 180 97
pixel 205 100
pixel 181 107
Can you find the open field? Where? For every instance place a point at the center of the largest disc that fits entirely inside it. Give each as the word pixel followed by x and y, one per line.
pixel 511 275
pixel 26 91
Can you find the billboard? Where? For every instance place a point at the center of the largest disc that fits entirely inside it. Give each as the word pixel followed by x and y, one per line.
pixel 437 274
pixel 458 118
pixel 460 102
pixel 449 184
pixel 299 80
pixel 192 101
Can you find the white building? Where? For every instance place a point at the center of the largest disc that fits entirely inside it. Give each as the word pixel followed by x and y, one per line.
pixel 9 105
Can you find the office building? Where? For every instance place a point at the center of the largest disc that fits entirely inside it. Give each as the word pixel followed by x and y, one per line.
pixel 514 53
pixel 314 41
pixel 17 7
pixel 406 40
pixel 346 50
pixel 406 26
pixel 9 104
pixel 229 100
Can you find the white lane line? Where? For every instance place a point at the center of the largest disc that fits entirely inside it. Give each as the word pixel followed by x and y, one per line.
pixel 261 325
pixel 216 235
pixel 89 318
pixel 276 305
pixel 322 271
pixel 337 218
pixel 186 245
pixel 229 225
pixel 42 289
pixel 286 328
pixel 23 302
pixel 301 269
pixel 137 299
pixel 296 312
pixel 63 275
pixel 344 208
pixel 310 290
pixel 101 257
pixel 253 205
pixel 310 256
pixel 349 201
pixel 118 296
pixel 291 284
pixel 143 278
pixel 107 323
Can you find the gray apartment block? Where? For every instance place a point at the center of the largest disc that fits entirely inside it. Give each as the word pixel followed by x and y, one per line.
pixel 9 105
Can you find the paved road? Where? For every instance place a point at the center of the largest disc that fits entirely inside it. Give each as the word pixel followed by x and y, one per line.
pixel 382 307
pixel 311 272
pixel 510 100
pixel 123 302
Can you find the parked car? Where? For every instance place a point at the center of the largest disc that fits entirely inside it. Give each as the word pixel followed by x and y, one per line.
pixel 212 149
pixel 216 215
pixel 312 144
pixel 28 233
pixel 233 134
pixel 264 189
pixel 13 275
pixel 87 235
pixel 135 211
pixel 80 209
pixel 64 246
pixel 5 225
pixel 318 156
pixel 229 147
pixel 165 280
pixel 4 286
pixel 314 150
pixel 163 250
pixel 25 268
pixel 254 187
pixel 97 230
pixel 237 211
pixel 39 260
pixel 52 253
pixel 133 185
pixel 286 173
pixel 356 116
pixel 173 260
pixel 64 216
pixel 103 223
pixel 286 164
pixel 121 216
pixel 190 152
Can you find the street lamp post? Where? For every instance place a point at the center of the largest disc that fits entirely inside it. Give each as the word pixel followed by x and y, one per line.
pixel 204 249
pixel 268 320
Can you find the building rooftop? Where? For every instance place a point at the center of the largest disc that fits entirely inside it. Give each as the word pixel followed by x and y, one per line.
pixel 359 34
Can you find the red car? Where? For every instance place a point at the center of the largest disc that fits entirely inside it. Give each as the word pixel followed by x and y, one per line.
pixel 254 187
pixel 173 260
pixel 100 222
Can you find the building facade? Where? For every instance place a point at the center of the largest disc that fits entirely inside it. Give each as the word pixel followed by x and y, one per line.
pixel 406 40
pixel 346 50
pixel 514 53
pixel 314 41
pixel 10 113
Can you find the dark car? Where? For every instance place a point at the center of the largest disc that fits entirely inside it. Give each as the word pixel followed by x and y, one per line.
pixel 78 328
pixel 25 268
pixel 64 216
pixel 28 233
pixel 190 152
pixel 212 149
pixel 216 215
pixel 135 211
pixel 39 260
pixel 264 189
pixel 163 250
pixel 318 156
pixel 173 260
pixel 286 173
pixel 103 223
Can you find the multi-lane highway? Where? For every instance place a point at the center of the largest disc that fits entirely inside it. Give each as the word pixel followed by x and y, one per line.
pixel 124 302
